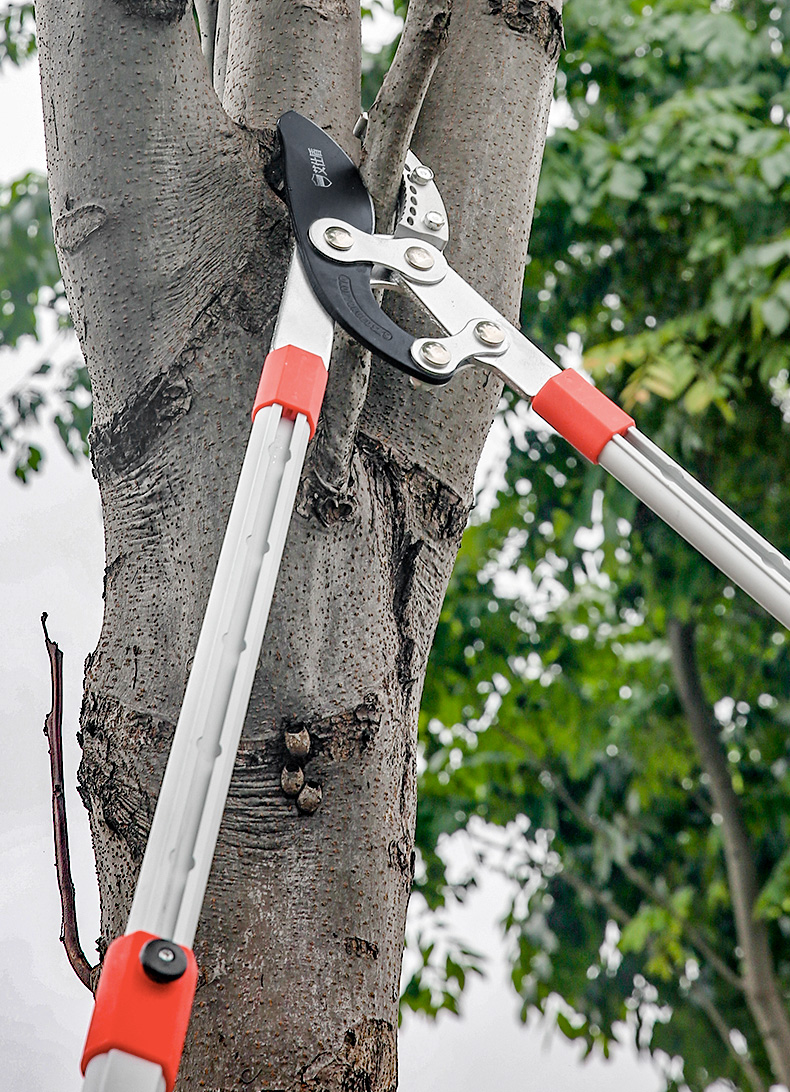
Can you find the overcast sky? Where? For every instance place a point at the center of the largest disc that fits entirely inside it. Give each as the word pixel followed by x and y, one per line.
pixel 52 560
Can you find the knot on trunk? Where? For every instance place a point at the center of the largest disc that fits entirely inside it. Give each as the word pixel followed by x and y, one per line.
pixel 163 11
pixel 535 18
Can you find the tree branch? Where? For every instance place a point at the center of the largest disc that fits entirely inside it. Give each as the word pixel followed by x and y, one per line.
pixel 595 825
pixel 394 114
pixel 703 1001
pixel 316 42
pixel 387 138
pixel 53 730
pixel 325 489
pixel 762 990
pixel 698 996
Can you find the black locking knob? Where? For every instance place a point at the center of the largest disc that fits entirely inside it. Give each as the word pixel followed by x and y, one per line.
pixel 163 960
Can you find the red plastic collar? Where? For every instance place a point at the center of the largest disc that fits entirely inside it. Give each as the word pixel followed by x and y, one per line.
pixel 580 413
pixel 137 1015
pixel 294 379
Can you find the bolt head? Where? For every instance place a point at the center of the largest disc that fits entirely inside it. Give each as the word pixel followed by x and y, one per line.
pixel 422 175
pixel 434 221
pixel 167 955
pixel 489 333
pixel 433 352
pixel 338 238
pixel 419 258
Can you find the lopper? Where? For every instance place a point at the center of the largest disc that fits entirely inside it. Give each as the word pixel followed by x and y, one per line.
pixel 149 974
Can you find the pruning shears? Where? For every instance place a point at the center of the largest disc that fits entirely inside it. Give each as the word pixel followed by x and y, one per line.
pixel 149 974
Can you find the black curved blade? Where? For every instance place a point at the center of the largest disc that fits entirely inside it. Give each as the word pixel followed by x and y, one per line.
pixel 321 181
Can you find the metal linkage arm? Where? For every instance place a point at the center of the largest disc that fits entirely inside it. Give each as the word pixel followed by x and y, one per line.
pixel 147 984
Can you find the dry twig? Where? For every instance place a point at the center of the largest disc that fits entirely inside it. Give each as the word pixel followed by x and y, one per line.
pixel 53 730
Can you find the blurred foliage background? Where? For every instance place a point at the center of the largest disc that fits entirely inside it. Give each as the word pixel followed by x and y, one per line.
pixel 553 733
pixel 659 257
pixel 32 302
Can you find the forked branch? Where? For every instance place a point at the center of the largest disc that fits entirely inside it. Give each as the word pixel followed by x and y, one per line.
pixel 394 114
pixel 53 730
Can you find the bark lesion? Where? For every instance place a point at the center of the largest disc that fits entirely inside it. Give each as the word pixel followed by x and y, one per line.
pixel 162 11
pixel 345 735
pixel 427 519
pixel 123 443
pixel 109 779
pixel 76 225
pixel 535 18
pixel 366 1060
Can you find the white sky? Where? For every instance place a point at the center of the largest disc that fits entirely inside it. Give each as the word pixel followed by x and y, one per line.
pixel 52 560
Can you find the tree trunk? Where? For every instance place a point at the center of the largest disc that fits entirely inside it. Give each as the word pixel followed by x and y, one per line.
pixel 174 251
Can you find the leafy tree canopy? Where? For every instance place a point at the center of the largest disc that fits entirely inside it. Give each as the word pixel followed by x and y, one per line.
pixel 661 247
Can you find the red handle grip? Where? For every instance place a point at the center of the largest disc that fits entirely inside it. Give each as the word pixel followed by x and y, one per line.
pixel 138 1015
pixel 580 413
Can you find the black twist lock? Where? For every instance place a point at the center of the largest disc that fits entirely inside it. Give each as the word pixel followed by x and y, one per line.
pixel 163 960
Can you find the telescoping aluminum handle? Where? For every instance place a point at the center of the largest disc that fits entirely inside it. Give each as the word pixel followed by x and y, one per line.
pixel 149 975
pixel 601 431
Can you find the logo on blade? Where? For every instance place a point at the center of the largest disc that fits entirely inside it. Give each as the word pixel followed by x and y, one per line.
pixel 320 177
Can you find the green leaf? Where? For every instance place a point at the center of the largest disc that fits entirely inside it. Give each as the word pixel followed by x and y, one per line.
pixel 17 33
pixel 626 181
pixel 774 899
pixel 775 314
pixel 775 168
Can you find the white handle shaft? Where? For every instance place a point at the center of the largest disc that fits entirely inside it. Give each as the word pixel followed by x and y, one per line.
pixel 180 848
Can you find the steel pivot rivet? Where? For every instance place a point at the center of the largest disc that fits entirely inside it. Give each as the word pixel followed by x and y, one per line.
pixel 167 955
pixel 422 175
pixel 419 258
pixel 338 238
pixel 489 333
pixel 434 221
pixel 433 352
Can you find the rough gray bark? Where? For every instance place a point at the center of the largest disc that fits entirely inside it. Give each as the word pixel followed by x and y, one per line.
pixel 759 978
pixel 174 252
